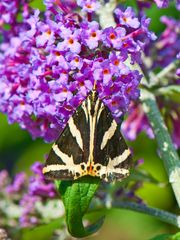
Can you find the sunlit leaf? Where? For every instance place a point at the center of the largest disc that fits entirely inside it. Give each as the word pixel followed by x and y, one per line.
pixel 77 196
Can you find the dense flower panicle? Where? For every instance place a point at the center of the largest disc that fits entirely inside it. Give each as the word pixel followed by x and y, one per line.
pixel 168 45
pixel 26 192
pixel 165 3
pixel 160 3
pixel 9 10
pixel 164 52
pixel 49 68
pixel 136 123
pixel 39 190
pixel 18 183
pixel 28 217
pixel 38 185
pixel 10 26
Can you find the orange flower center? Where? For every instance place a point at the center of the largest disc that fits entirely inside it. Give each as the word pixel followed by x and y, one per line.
pixel 125 19
pixel 57 54
pixel 93 34
pixel 48 32
pixel 116 62
pixel 114 103
pixel 89 6
pixel 106 71
pixel 71 41
pixel 76 59
pixel 112 36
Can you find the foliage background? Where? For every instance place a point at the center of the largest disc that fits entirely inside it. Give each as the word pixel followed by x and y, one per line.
pixel 18 151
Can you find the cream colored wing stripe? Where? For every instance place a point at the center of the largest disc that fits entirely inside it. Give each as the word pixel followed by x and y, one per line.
pixel 119 159
pixel 68 160
pixel 75 133
pixel 109 134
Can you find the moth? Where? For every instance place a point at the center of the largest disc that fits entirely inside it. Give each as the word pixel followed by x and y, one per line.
pixel 90 144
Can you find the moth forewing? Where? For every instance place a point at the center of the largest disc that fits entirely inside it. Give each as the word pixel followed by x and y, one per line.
pixel 91 144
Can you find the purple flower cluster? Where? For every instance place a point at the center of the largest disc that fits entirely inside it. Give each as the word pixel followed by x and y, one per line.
pixel 165 3
pixel 168 45
pixel 10 9
pixel 160 3
pixel 18 184
pixel 39 189
pixel 136 123
pixel 25 192
pixel 48 69
pixel 10 12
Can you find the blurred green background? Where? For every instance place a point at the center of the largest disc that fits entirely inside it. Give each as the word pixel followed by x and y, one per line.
pixel 18 151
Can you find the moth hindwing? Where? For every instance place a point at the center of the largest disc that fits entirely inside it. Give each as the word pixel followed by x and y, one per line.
pixel 91 144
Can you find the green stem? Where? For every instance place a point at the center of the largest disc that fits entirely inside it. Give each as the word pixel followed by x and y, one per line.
pixel 158 213
pixel 163 74
pixel 166 151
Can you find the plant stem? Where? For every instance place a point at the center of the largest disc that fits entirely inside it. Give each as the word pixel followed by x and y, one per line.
pixel 158 213
pixel 160 77
pixel 166 149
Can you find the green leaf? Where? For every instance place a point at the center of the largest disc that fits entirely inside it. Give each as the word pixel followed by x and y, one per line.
pixel 38 5
pixel 172 92
pixel 167 237
pixel 43 232
pixel 162 237
pixel 77 196
pixel 176 236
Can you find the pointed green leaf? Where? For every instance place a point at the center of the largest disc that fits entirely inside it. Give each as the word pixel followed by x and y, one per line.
pixel 162 237
pixel 167 237
pixel 77 196
pixel 176 236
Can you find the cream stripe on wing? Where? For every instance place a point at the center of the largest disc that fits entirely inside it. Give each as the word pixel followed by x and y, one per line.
pixel 108 134
pixel 57 167
pixel 119 159
pixel 67 160
pixel 92 126
pixel 75 132
pixel 110 171
pixel 101 108
pixel 85 110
